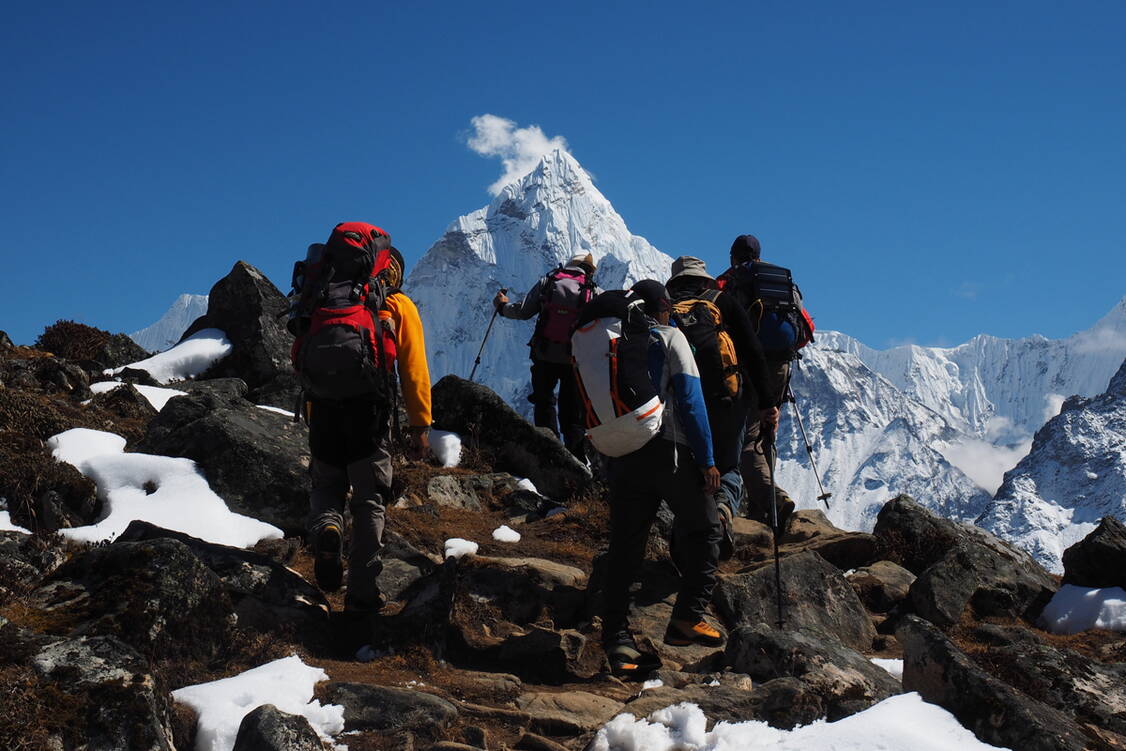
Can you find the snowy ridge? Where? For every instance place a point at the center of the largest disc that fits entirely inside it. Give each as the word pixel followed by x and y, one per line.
pixel 1074 476
pixel 161 335
pixel 1000 389
pixel 531 227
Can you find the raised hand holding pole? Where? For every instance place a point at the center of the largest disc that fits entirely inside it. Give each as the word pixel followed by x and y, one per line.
pixel 476 362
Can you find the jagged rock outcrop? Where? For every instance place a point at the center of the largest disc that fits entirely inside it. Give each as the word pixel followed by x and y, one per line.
pixel 509 442
pixel 996 712
pixel 254 459
pixel 846 681
pixel 960 566
pixel 814 594
pixel 250 310
pixel 1099 559
pixel 265 595
pixel 881 586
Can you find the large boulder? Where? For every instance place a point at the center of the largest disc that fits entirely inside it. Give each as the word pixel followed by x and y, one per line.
pixel 508 441
pixel 267 728
pixel 846 681
pixel 1099 559
pixel 155 595
pixel 250 310
pixel 995 712
pixel 255 459
pixel 815 594
pixel 881 586
pixel 266 596
pixel 960 566
pixel 25 560
pixel 82 692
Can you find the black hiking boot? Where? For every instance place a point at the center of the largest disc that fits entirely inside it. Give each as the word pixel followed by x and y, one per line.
pixel 328 568
pixel 626 660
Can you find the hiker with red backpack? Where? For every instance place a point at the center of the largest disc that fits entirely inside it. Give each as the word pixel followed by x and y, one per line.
pixel 645 412
pixel 774 304
pixel 557 298
pixel 354 328
pixel 732 372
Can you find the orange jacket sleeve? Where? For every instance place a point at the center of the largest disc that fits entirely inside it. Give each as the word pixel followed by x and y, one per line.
pixel 414 374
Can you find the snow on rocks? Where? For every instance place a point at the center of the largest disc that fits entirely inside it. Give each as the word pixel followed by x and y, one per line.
pixel 286 683
pixel 1074 609
pixel 6 524
pixel 504 533
pixel 456 547
pixel 187 359
pixel 155 395
pixel 166 491
pixel 446 447
pixel 904 721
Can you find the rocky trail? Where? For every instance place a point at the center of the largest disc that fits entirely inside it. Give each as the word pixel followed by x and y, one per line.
pixel 496 650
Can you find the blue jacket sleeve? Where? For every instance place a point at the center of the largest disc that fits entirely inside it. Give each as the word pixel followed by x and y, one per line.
pixel 690 407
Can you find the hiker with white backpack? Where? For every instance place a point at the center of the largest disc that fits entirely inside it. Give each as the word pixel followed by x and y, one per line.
pixel 645 411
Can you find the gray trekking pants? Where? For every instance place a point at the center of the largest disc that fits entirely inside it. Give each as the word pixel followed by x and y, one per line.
pixel 755 463
pixel 349 443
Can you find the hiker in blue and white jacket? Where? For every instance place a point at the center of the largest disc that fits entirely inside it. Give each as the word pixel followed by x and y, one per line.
pixel 676 466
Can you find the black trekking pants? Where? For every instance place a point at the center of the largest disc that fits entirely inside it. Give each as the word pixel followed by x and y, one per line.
pixel 569 421
pixel 350 446
pixel 638 483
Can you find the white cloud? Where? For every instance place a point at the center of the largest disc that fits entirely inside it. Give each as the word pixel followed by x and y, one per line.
pixel 983 462
pixel 1054 403
pixel 968 290
pixel 1100 340
pixel 519 149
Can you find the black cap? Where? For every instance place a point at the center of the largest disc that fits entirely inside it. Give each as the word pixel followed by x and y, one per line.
pixel 654 295
pixel 745 248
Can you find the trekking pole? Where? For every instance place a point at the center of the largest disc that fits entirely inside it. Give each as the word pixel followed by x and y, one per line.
pixel 808 448
pixel 774 525
pixel 477 362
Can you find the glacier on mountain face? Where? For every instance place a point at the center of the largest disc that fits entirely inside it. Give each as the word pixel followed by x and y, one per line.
pixel 532 226
pixel 161 335
pixel 1074 475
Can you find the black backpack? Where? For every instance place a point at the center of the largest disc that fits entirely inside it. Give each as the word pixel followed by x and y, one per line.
pixel 698 316
pixel 774 304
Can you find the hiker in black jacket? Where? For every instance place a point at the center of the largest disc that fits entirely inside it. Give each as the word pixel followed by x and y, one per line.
pixel 727 411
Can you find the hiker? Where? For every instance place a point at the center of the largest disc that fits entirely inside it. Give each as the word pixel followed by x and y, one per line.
pixel 646 413
pixel 354 326
pixel 773 303
pixel 732 371
pixel 557 298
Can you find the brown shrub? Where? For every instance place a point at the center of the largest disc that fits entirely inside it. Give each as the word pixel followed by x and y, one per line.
pixel 72 340
pixel 28 472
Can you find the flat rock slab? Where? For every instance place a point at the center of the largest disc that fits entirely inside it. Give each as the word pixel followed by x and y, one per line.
pixel 391 710
pixel 567 713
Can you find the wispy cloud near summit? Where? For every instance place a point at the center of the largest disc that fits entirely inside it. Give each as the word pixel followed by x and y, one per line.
pixel 519 149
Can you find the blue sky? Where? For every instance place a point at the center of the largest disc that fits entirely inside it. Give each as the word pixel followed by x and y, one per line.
pixel 929 171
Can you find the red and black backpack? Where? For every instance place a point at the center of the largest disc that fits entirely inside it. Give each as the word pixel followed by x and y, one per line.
pixel 345 345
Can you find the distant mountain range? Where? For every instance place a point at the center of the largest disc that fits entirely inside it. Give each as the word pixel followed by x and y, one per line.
pixel 941 424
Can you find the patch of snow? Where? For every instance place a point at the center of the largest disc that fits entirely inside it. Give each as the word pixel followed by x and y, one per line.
pixel 279 410
pixel 165 491
pixel 652 683
pixel 525 484
pixel 1074 609
pixel 7 526
pixel 901 722
pixel 504 533
pixel 186 360
pixel 286 683
pixel 446 447
pixel 457 547
pixel 155 395
pixel 895 667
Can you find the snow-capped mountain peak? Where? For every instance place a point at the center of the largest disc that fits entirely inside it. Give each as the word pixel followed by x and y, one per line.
pixel 529 228
pixel 161 335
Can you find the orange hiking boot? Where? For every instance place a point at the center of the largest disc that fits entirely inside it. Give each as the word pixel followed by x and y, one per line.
pixel 685 633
